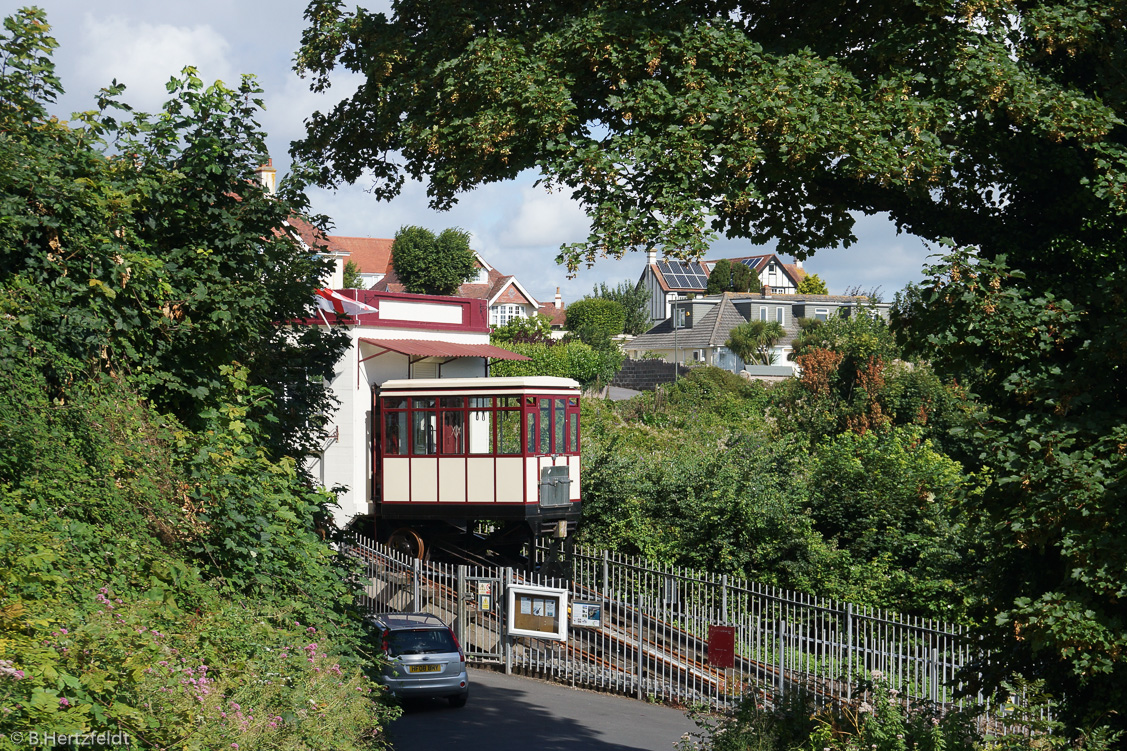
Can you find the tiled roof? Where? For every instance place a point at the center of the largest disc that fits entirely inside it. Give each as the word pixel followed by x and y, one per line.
pixel 372 255
pixel 556 316
pixel 710 331
pixel 488 291
pixel 796 272
pixel 310 235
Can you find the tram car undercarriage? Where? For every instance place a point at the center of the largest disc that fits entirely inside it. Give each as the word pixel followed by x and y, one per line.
pixel 485 466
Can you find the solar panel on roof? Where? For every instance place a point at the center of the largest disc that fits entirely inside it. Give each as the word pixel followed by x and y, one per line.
pixel 683 275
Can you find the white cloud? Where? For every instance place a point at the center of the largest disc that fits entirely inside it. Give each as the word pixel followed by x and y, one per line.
pixel 539 218
pixel 144 56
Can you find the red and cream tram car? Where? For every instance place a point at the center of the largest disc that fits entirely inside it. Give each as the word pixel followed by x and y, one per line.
pixel 450 452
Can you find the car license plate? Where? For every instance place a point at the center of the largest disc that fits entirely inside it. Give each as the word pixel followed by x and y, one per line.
pixel 424 668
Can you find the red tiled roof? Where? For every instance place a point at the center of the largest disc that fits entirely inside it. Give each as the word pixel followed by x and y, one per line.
pixel 497 282
pixel 428 348
pixel 556 316
pixel 372 255
pixel 310 235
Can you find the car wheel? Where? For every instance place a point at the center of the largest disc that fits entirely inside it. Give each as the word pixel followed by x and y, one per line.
pixel 459 700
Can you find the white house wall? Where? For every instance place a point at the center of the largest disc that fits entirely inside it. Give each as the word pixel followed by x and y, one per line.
pixel 347 460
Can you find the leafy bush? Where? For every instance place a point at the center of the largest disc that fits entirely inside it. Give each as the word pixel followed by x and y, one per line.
pixel 432 265
pixel 159 552
pixel 597 313
pixel 534 330
pixel 879 720
pixel 573 359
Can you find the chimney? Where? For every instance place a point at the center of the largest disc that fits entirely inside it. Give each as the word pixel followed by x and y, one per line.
pixel 798 263
pixel 766 290
pixel 268 175
pixel 651 257
pixel 559 300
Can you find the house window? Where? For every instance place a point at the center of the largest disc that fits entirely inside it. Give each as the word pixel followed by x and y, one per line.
pixel 822 314
pixel 763 313
pixel 502 314
pixel 681 318
pixel 779 290
pixel 779 315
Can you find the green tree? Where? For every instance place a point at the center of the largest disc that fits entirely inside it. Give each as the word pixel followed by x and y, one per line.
pixel 1046 358
pixel 812 284
pixel 785 120
pixel 600 316
pixel 720 278
pixel 534 330
pixel 635 303
pixel 151 527
pixel 745 279
pixel 168 265
pixel 352 278
pixel 752 341
pixel 572 359
pixel 432 265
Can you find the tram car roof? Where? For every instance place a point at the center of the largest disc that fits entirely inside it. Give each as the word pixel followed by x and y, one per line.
pixel 497 385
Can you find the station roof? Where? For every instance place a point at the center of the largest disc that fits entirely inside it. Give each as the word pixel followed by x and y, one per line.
pixel 434 348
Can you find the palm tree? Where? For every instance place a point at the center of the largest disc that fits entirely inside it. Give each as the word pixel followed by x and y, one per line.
pixel 752 342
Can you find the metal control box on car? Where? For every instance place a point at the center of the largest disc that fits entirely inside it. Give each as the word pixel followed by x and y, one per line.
pixel 422 657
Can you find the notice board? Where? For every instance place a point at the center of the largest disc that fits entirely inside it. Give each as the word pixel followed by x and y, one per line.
pixel 537 611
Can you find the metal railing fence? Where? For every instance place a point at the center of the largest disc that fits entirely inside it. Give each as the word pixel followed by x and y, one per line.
pixel 653 642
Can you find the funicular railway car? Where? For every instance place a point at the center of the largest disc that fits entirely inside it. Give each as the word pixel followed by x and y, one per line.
pixel 451 453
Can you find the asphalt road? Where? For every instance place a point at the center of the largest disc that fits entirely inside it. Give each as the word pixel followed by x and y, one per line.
pixel 513 713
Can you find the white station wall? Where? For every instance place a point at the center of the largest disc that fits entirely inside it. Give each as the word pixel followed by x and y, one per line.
pixel 347 460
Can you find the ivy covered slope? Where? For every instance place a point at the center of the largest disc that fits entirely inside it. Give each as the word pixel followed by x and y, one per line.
pixel 161 572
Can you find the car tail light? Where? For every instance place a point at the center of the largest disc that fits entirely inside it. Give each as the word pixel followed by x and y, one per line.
pixel 461 654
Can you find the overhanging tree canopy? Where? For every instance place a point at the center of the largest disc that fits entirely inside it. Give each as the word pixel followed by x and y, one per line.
pixel 993 123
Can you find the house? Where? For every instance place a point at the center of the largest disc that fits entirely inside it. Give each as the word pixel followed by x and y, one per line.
pixel 370 255
pixel 667 281
pixel 321 246
pixel 505 297
pixel 697 329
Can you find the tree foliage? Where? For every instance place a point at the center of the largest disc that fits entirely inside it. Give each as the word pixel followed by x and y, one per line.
pixel 159 549
pixel 573 359
pixel 598 314
pixel 430 264
pixel 1046 355
pixel 731 277
pixel 752 341
pixel 993 125
pixel 352 278
pixel 167 265
pixel 812 284
pixel 534 330
pixel 635 303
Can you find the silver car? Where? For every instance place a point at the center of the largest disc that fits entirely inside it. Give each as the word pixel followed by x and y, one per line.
pixel 423 657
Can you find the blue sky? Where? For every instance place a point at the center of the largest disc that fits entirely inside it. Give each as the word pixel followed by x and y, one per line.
pixel 517 227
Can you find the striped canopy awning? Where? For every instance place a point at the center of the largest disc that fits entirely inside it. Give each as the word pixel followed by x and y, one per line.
pixel 433 348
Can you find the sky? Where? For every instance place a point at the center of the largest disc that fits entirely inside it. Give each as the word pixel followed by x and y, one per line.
pixel 517 227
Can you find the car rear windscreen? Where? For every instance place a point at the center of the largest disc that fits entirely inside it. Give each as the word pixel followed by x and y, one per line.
pixel 421 641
